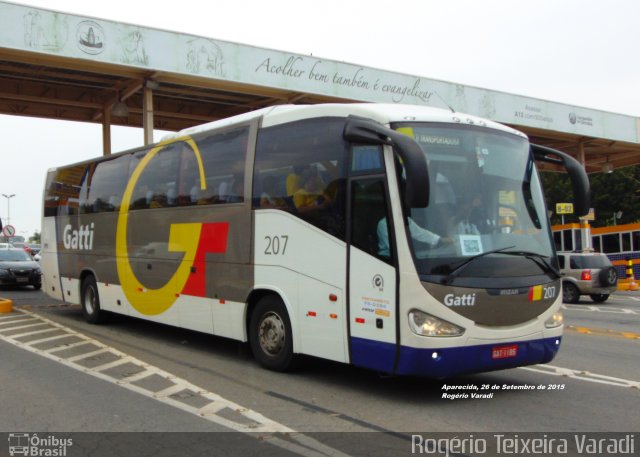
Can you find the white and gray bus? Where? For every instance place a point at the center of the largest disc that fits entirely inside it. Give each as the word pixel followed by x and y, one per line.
pixel 408 240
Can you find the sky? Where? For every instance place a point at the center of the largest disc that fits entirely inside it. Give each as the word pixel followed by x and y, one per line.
pixel 579 52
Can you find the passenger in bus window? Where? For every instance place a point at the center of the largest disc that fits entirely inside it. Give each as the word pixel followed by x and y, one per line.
pixel 229 188
pixel 172 195
pixel 293 180
pixel 268 198
pixel 464 222
pixel 114 202
pixel 148 195
pixel 419 234
pixel 236 193
pixel 194 193
pixel 311 196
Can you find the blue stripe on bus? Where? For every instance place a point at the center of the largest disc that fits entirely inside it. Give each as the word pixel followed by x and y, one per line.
pixel 449 362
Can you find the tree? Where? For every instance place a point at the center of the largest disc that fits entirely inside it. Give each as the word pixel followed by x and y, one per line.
pixel 35 238
pixel 610 192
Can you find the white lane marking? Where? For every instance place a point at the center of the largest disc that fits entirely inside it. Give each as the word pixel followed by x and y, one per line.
pixel 115 363
pixel 4 329
pixel 600 309
pixel 60 348
pixel 50 338
pixel 251 422
pixel 13 317
pixel 583 376
pixel 75 358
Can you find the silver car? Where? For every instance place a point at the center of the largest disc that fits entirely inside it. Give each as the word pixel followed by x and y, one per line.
pixel 587 273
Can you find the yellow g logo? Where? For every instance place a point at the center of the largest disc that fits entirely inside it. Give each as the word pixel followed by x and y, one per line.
pixel 182 238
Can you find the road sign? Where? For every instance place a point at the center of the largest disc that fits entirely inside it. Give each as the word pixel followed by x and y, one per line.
pixel 564 208
pixel 8 230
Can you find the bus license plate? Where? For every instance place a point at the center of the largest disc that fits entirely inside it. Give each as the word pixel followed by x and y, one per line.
pixel 504 352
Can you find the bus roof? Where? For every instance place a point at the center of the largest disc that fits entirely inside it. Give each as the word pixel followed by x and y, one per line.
pixel 380 112
pixel 383 113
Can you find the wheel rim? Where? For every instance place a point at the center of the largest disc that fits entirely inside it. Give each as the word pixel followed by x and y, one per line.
pixel 271 334
pixel 90 300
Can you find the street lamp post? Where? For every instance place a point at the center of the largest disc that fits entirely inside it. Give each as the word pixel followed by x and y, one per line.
pixel 616 215
pixel 8 197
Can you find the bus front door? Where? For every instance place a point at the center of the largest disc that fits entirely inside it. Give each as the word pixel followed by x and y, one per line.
pixel 372 279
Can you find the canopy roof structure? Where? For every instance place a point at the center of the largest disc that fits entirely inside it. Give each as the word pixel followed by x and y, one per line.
pixel 68 67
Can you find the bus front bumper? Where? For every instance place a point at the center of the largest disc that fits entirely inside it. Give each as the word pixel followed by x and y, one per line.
pixel 448 362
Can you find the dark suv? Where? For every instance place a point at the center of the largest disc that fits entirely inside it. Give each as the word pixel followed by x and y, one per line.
pixel 587 273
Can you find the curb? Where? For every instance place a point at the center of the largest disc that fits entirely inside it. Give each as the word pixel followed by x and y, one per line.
pixel 6 305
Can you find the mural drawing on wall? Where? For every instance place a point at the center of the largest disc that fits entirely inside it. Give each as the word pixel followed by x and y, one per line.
pixel 134 49
pixel 205 57
pixel 45 33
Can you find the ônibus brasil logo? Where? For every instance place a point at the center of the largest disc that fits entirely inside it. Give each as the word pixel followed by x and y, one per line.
pixel 192 239
pixel 31 445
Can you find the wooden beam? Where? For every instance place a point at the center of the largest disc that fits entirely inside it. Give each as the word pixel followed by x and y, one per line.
pixel 581 156
pixel 49 101
pixel 106 130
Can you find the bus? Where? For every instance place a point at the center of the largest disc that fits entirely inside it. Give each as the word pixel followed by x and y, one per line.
pixel 620 242
pixel 325 230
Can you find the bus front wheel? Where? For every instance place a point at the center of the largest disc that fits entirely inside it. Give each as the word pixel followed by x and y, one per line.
pixel 91 301
pixel 270 334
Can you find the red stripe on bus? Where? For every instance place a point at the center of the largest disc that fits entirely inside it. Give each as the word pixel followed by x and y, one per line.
pixel 213 239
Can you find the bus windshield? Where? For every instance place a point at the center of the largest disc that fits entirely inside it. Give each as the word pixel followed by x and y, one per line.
pixel 485 204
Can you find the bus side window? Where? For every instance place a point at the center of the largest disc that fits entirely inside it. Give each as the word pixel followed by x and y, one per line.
pixel 189 186
pixel 63 191
pixel 223 155
pixel 309 159
pixel 107 185
pixel 155 186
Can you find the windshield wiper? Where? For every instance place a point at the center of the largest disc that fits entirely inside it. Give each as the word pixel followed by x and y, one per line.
pixel 538 259
pixel 456 271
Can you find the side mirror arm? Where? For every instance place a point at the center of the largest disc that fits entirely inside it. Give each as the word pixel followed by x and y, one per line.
pixel 577 174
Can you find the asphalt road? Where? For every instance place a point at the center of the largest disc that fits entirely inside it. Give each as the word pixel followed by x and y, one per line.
pixel 586 389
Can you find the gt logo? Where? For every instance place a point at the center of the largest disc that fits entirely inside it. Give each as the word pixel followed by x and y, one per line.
pixel 193 239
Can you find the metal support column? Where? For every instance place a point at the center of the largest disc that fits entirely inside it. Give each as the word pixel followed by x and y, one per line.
pixel 585 228
pixel 147 115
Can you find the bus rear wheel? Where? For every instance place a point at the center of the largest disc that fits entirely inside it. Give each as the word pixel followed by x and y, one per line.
pixel 270 334
pixel 91 301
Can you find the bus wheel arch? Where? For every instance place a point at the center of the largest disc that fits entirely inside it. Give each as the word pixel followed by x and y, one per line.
pixel 90 299
pixel 269 331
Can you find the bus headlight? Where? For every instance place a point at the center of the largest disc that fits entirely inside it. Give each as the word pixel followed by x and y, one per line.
pixel 424 324
pixel 554 321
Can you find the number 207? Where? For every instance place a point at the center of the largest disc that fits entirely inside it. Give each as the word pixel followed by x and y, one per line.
pixel 276 245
